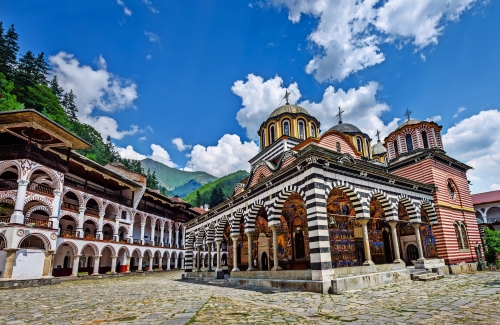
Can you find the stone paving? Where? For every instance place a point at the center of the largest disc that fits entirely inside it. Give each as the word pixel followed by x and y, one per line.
pixel 163 299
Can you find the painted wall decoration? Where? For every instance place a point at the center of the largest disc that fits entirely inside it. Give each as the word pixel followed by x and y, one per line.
pixel 405 228
pixel 375 236
pixel 427 237
pixel 293 235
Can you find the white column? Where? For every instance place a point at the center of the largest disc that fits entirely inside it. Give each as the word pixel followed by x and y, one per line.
pixel 176 262
pixel 218 244
pixel 151 259
pixel 139 268
pixel 170 236
pixel 99 228
pixel 182 264
pixel 81 216
pixel 250 259
pixel 416 227
pixel 18 216
pixel 168 262
pixel 183 242
pixel 131 233
pixel 143 225
pixel 116 233
pixel 97 258
pixel 152 235
pixel 395 242
pixel 160 263
pixel 198 259
pixel 366 241
pixel 162 230
pixel 56 205
pixel 210 257
pixel 76 263
pixel 235 254
pixel 113 264
pixel 177 238
pixel 276 266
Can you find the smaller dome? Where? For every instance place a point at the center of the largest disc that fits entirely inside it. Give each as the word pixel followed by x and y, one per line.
pixel 378 149
pixel 408 122
pixel 345 128
pixel 290 109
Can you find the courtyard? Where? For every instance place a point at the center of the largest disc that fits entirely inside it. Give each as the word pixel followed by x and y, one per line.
pixel 163 299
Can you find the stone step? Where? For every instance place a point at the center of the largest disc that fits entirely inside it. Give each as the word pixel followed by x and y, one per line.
pixel 427 277
pixel 219 282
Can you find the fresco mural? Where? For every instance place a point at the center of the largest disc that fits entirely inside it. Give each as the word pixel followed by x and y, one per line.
pixel 375 232
pixel 405 228
pixel 427 237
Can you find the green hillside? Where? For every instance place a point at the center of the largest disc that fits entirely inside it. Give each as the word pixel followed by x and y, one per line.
pixel 227 183
pixel 172 178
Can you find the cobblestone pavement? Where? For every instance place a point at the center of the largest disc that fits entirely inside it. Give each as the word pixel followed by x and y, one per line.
pixel 160 299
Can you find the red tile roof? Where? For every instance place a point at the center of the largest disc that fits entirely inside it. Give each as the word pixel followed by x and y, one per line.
pixel 486 197
pixel 199 210
pixel 177 199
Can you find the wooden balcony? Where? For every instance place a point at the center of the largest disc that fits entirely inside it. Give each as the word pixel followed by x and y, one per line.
pixel 39 223
pixel 70 207
pixel 8 184
pixel 69 233
pixel 72 182
pixel 31 151
pixel 41 189
pixel 5 219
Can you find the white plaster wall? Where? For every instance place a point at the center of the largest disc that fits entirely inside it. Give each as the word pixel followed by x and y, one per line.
pixel 59 257
pixel 29 264
pixel 3 256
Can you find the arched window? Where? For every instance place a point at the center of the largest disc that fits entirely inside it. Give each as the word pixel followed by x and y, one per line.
pixel 87 230
pixel 360 145
pixel 451 190
pixel 424 139
pixel 338 146
pixel 263 139
pixel 302 130
pixel 286 127
pixel 465 236
pixel 458 235
pixel 271 134
pixel 69 227
pixel 396 150
pixel 409 143
pixel 313 131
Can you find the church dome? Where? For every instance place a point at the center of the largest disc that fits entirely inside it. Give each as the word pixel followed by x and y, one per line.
pixel 378 149
pixel 346 128
pixel 289 109
pixel 407 123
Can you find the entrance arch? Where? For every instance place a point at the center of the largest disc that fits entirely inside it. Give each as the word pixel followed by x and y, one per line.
pixel 412 252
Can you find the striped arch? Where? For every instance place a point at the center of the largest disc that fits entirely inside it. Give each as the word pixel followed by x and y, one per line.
pixel 37 208
pixel 136 251
pixel 77 193
pixel 69 243
pixel 93 219
pixel 188 264
pixel 97 200
pixel 8 195
pixel 111 248
pixel 210 233
pixel 409 206
pixel 382 197
pixel 276 208
pixel 40 198
pixel 200 235
pixel 52 174
pixel 43 179
pixel 362 211
pixel 127 252
pixel 4 165
pixel 71 215
pixel 219 228
pixel 149 252
pixel 111 224
pixel 41 236
pixel 107 203
pixel 8 200
pixel 94 247
pixel 431 212
pixel 251 215
pixel 235 222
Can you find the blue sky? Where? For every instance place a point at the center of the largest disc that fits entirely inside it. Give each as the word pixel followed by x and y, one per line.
pixel 207 73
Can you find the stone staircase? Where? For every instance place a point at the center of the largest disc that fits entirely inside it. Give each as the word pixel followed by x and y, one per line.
pixel 424 275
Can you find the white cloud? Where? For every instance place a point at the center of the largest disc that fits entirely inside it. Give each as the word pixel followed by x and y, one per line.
pixel 475 141
pixel 349 32
pixel 422 56
pixel 149 128
pixel 149 57
pixel 95 89
pixel 152 37
pixel 360 105
pixel 151 7
pixel 495 187
pixel 126 10
pixel 180 145
pixel 158 154
pixel 460 110
pixel 143 138
pixel 228 156
pixel 435 118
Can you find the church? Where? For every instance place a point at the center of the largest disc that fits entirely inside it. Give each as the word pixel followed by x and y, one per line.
pixel 331 211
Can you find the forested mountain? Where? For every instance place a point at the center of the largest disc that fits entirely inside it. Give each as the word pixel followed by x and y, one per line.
pixel 211 193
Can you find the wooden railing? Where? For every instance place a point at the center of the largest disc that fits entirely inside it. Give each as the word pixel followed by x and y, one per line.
pixel 97 191
pixel 69 233
pixel 40 223
pixel 41 188
pixel 5 219
pixel 107 237
pixel 8 184
pixel 31 151
pixel 70 206
pixel 89 236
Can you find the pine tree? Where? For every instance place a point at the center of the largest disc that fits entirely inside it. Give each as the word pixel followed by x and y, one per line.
pixel 8 51
pixel 213 198
pixel 198 199
pixel 56 89
pixel 151 181
pixel 41 69
pixel 2 49
pixel 68 103
pixel 220 195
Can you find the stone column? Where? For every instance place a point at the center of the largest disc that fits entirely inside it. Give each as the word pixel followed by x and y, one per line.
pixel 250 257
pixel 395 242
pixel 127 270
pixel 81 216
pixel 416 227
pixel 235 254
pixel 168 262
pixel 97 258
pixel 198 259
pixel 9 262
pixel 113 263
pixel 151 261
pixel 18 216
pixel 170 237
pixel 276 266
pixel 116 233
pixel 76 263
pixel 210 257
pixel 162 230
pixel 139 267
pixel 56 205
pixel 99 227
pixel 366 241
pixel 177 238
pixel 182 264
pixel 47 264
pixel 218 244
pixel 152 235
pixel 143 226
pixel 176 262
pixel 160 263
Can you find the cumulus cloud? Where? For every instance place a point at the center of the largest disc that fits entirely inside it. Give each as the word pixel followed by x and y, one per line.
pixel 95 88
pixel 349 33
pixel 260 97
pixel 435 118
pixel 151 7
pixel 152 37
pixel 475 141
pixel 229 155
pixel 158 154
pixel 126 10
pixel 180 145
pixel 459 110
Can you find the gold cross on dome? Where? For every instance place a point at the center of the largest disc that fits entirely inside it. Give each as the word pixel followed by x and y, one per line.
pixel 339 115
pixel 287 94
pixel 408 113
